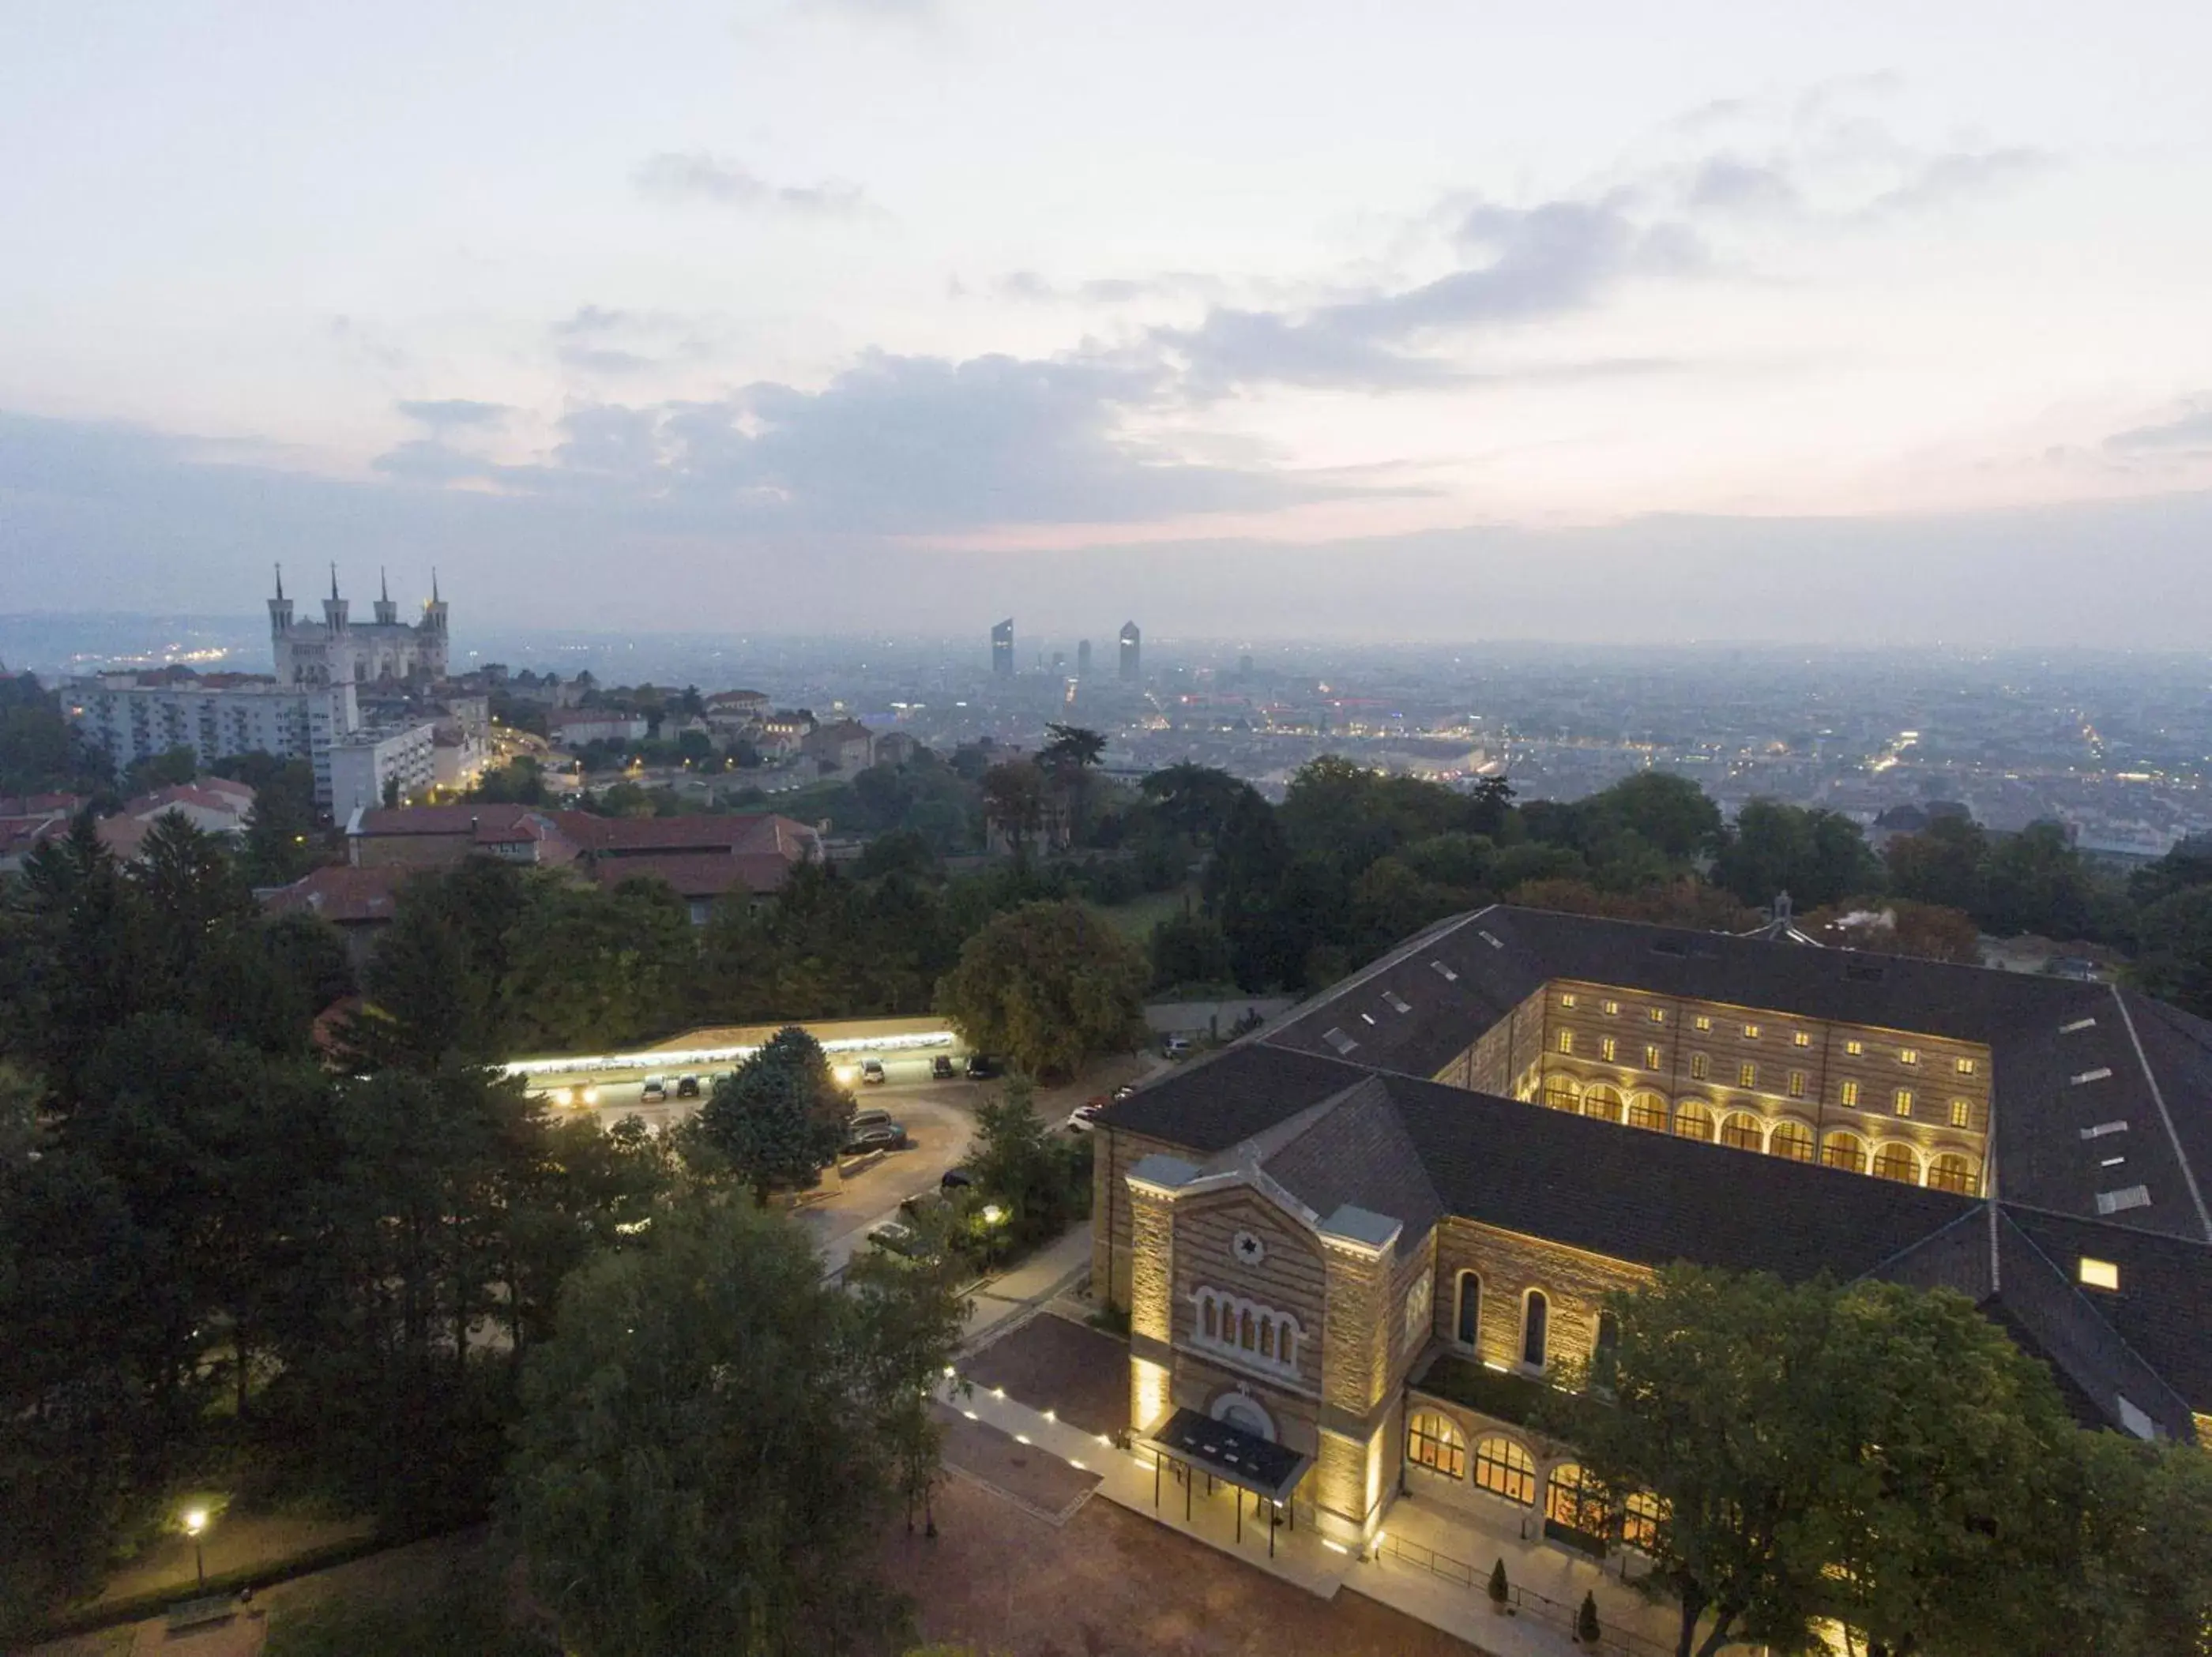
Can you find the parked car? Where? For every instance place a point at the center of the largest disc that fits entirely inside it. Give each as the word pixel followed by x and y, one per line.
pixel 1085 1116
pixel 940 1067
pixel 1175 1047
pixel 981 1067
pixel 872 1072
pixel 687 1086
pixel 872 1117
pixel 955 1179
pixel 897 1237
pixel 877 1136
pixel 654 1090
pixel 1124 1091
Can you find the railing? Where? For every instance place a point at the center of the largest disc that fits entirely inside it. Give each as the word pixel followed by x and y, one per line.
pixel 1614 1642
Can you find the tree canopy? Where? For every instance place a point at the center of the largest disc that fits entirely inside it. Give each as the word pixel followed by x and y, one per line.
pixel 1047 986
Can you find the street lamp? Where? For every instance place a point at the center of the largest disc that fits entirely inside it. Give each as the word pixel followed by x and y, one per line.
pixel 196 1524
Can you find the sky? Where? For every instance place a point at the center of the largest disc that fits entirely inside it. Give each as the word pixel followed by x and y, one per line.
pixel 1883 322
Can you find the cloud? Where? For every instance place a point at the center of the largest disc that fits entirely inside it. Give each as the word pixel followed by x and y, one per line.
pixel 696 175
pixel 453 412
pixel 1939 181
pixel 893 446
pixel 2188 433
pixel 1725 183
pixel 594 340
pixel 1029 287
pixel 1550 260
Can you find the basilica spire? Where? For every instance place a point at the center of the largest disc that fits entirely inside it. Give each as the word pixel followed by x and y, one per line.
pixel 334 579
pixel 280 581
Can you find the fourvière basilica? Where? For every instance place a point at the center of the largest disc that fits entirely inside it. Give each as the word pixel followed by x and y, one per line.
pixel 337 650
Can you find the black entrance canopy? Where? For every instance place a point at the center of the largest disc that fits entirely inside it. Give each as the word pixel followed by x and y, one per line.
pixel 1231 1454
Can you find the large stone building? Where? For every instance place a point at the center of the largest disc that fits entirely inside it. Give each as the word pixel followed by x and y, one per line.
pixel 1352 1245
pixel 339 650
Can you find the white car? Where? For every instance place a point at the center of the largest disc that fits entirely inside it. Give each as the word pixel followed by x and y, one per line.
pixel 1085 1116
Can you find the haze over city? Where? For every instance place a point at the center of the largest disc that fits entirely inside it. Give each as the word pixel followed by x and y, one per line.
pixel 894 315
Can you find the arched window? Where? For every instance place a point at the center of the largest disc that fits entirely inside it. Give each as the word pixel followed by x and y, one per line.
pixel 1603 1102
pixel 1212 1316
pixel 1608 1335
pixel 1466 1320
pixel 1694 1121
pixel 1640 1525
pixel 1647 1110
pixel 1504 1468
pixel 1568 1501
pixel 1244 1334
pixel 1267 1337
pixel 1793 1140
pixel 1432 1440
pixel 1535 1329
pixel 1560 1093
pixel 1952 1172
pixel 1845 1150
pixel 1898 1162
pixel 1741 1131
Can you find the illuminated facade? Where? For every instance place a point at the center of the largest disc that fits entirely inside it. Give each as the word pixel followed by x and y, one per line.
pixel 338 651
pixel 1360 1237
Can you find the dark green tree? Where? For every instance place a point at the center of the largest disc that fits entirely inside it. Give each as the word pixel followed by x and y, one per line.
pixel 1048 985
pixel 2174 962
pixel 1946 863
pixel 778 1120
pixel 1188 949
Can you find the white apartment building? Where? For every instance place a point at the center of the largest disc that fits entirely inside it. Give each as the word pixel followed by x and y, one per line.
pixel 362 768
pixel 129 721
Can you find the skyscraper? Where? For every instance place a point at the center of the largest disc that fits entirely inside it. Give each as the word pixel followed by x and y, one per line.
pixel 1133 643
pixel 1083 659
pixel 1002 649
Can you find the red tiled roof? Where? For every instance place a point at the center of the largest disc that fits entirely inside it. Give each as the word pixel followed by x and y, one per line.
pixel 42 805
pixel 617 838
pixel 342 895
pixel 700 875
pixel 486 824
pixel 21 836
pixel 202 795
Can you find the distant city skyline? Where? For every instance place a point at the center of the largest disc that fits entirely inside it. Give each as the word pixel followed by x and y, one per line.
pixel 1424 322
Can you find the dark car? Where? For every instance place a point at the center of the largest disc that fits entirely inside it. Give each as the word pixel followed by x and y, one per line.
pixel 981 1067
pixel 687 1086
pixel 955 1179
pixel 875 1135
pixel 940 1067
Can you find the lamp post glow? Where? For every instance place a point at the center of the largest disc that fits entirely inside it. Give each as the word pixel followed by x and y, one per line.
pixel 196 1524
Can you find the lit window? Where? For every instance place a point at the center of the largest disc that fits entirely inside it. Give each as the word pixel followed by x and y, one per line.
pixel 1560 1093
pixel 1609 1048
pixel 1566 1001
pixel 1800 1040
pixel 1963 1067
pixel 1567 1040
pixel 1796 1084
pixel 1647 1110
pixel 1855 1049
pixel 1658 1015
pixel 1504 1468
pixel 1741 1131
pixel 1747 1076
pixel 1698 1067
pixel 1908 1055
pixel 2099 1274
pixel 1432 1440
pixel 1897 1162
pixel 1612 1008
pixel 1704 1022
pixel 1651 1059
pixel 1567 1502
pixel 1961 1113
pixel 1603 1103
pixel 1751 1032
pixel 1792 1141
pixel 1905 1101
pixel 1845 1150
pixel 1952 1172
pixel 1694 1121
pixel 1848 1093
pixel 1640 1525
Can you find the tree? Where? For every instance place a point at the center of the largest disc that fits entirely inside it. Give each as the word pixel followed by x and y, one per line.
pixel 1946 863
pixel 1048 985
pixel 1670 813
pixel 2175 960
pixel 170 769
pixel 1017 1164
pixel 1072 747
pixel 2148 1571
pixel 779 1119
pixel 2038 883
pixel 1195 799
pixel 1702 1355
pixel 702 1463
pixel 1188 949
pixel 1013 802
pixel 1817 856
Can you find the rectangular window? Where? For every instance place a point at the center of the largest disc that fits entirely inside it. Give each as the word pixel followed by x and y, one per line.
pixel 1908 1055
pixel 1567 1040
pixel 1658 1015
pixel 1801 1039
pixel 1704 1022
pixel 1961 1113
pixel 1697 1067
pixel 1849 1093
pixel 1751 1032
pixel 1610 1047
pixel 1855 1049
pixel 1796 1084
pixel 1566 1001
pixel 1610 1008
pixel 1651 1059
pixel 1747 1076
pixel 1963 1067
pixel 1905 1101
pixel 2099 1274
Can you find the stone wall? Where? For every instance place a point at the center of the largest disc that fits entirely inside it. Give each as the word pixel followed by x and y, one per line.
pixel 1574 1282
pixel 1114 1152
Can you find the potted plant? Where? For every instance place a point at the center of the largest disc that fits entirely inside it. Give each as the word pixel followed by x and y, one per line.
pixel 1586 1629
pixel 1499 1593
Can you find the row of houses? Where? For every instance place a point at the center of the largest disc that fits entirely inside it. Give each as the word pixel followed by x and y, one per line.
pixel 217 806
pixel 844 745
pixel 703 859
